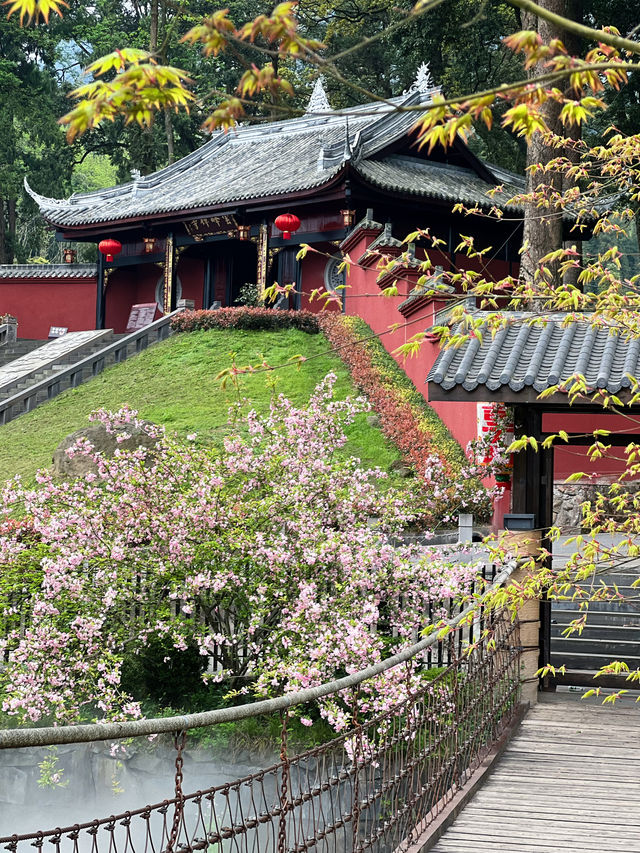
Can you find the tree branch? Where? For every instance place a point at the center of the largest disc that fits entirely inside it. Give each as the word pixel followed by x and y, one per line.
pixel 574 27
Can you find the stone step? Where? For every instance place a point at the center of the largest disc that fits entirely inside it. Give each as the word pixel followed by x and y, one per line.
pixel 590 661
pixel 618 645
pixel 62 354
pixel 596 631
pixel 612 616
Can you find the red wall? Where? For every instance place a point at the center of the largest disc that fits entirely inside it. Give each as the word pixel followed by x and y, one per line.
pixel 190 271
pixel 313 266
pixel 41 303
pixel 364 299
pixel 129 286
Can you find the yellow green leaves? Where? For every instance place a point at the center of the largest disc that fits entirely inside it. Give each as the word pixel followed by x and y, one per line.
pixel 213 33
pixel 524 120
pixel 34 10
pixel 263 79
pixel 139 87
pixel 575 112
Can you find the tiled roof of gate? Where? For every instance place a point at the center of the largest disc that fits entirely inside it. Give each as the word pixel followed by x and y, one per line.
pixel 48 270
pixel 539 355
pixel 436 180
pixel 275 159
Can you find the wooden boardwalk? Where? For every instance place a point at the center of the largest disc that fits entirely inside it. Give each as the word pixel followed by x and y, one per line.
pixel 569 780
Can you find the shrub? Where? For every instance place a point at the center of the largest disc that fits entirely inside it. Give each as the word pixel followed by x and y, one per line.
pixel 262 556
pixel 246 317
pixel 452 483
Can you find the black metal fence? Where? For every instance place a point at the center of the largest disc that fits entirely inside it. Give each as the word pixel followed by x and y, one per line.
pixel 377 787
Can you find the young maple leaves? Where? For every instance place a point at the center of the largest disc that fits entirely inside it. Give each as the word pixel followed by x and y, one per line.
pixel 140 86
pixel 448 119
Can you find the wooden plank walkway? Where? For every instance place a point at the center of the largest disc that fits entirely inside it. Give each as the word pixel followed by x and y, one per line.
pixel 569 780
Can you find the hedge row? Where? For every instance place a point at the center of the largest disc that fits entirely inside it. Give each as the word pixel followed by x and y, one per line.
pixel 405 416
pixel 246 318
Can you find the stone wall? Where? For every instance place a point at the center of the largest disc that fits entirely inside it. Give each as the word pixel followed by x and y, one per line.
pixel 567 498
pixel 94 782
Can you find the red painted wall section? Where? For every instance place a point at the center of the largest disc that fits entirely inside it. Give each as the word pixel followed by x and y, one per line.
pixel 129 286
pixel 190 271
pixel 312 278
pixel 568 458
pixel 364 299
pixel 119 297
pixel 41 303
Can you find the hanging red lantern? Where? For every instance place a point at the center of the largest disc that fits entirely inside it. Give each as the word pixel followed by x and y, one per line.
pixel 109 248
pixel 287 223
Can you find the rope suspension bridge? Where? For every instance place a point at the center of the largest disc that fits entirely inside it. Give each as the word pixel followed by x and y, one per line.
pixel 391 783
pixel 379 786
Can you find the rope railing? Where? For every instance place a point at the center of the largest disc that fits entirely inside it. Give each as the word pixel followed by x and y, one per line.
pixel 376 787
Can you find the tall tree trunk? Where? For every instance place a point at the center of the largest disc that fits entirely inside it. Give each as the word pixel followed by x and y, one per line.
pixel 543 227
pixel 12 236
pixel 3 234
pixel 573 44
pixel 153 27
pixel 168 129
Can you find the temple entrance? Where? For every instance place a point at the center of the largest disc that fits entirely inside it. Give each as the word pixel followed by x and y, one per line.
pixel 221 268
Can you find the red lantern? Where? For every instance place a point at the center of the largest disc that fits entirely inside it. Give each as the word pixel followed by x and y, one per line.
pixel 109 248
pixel 287 222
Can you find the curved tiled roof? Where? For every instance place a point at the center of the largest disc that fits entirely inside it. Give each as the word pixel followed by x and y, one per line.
pixel 436 180
pixel 275 159
pixel 539 355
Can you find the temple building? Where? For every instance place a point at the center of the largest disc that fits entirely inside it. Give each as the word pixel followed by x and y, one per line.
pixel 204 227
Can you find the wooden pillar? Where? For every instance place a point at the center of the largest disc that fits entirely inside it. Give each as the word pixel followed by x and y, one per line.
pixel 229 281
pixel 169 289
pixel 101 293
pixel 288 269
pixel 263 258
pixel 533 493
pixel 207 288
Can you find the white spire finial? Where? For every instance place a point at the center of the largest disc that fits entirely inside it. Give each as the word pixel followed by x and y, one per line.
pixel 424 81
pixel 318 102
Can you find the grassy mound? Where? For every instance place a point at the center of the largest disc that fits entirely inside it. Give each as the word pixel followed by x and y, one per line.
pixel 174 383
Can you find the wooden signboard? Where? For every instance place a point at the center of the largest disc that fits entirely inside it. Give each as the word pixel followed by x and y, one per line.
pixel 209 226
pixel 141 315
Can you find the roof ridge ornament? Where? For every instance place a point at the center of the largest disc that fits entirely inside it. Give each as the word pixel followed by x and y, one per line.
pixel 318 102
pixel 43 200
pixel 423 83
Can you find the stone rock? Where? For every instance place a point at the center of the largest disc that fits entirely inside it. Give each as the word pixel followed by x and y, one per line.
pixel 145 762
pixel 13 785
pixel 567 498
pixel 400 469
pixel 373 420
pixel 104 442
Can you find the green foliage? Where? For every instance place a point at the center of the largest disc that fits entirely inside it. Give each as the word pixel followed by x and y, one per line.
pixel 174 384
pixel 248 318
pixel 395 376
pixel 161 673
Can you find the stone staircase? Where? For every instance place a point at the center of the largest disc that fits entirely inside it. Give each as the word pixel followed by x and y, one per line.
pixel 23 346
pixel 43 369
pixel 612 631
pixel 43 361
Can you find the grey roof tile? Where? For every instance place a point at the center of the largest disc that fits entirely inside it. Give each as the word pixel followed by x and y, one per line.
pixel 275 159
pixel 539 354
pixel 435 180
pixel 48 270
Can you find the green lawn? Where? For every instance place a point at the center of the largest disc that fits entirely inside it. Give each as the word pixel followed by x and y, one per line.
pixel 174 383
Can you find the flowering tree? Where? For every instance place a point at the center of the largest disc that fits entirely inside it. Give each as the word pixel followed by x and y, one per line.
pixel 571 180
pixel 273 554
